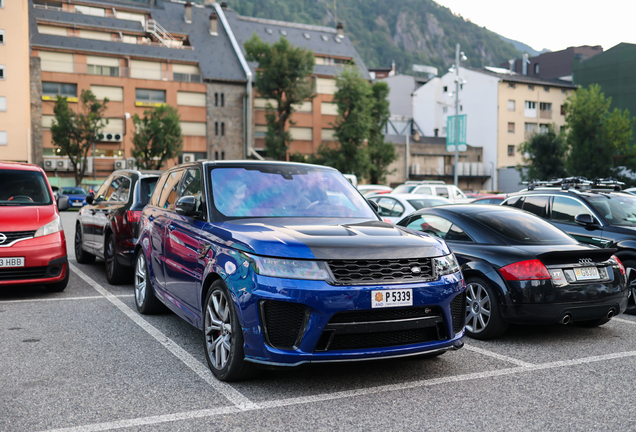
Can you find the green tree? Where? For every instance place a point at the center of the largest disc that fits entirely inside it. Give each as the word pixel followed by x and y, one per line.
pixel 381 154
pixel 350 155
pixel 543 156
pixel 595 135
pixel 157 137
pixel 76 132
pixel 282 76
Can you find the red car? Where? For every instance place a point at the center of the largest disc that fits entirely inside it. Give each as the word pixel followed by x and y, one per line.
pixel 32 242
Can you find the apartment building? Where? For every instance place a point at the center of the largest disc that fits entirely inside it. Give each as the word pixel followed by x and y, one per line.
pixel 15 110
pixel 502 110
pixel 332 48
pixel 139 56
pixel 554 64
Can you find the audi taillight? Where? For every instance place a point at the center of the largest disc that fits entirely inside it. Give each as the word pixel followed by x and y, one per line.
pixel 133 216
pixel 525 270
pixel 619 264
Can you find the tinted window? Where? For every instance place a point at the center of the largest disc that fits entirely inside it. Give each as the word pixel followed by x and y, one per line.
pixel 119 190
pixel 156 194
pixel 191 186
pixel 425 203
pixel 618 209
pixel 170 191
pixel 441 191
pixel 146 188
pixel 522 228
pixel 19 188
pixel 434 225
pixel 536 205
pixel 514 202
pixel 565 209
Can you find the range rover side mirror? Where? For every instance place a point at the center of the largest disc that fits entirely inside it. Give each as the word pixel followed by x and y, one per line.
pixel 187 206
pixel 374 205
pixel 90 198
pixel 586 220
pixel 62 203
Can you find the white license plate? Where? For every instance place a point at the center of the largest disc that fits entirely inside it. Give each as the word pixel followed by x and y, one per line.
pixel 392 298
pixel 77 204
pixel 12 262
pixel 585 273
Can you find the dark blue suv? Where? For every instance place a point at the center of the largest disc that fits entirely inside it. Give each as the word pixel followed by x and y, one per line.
pixel 282 264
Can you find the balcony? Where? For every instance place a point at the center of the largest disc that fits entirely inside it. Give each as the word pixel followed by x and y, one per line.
pixel 545 114
pixel 464 169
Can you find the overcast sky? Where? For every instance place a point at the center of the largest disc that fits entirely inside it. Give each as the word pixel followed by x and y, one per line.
pixel 553 24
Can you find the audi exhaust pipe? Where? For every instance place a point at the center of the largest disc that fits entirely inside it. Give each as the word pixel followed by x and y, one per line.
pixel 610 314
pixel 566 319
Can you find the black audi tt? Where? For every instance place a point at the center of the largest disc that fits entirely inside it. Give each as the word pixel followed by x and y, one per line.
pixel 521 269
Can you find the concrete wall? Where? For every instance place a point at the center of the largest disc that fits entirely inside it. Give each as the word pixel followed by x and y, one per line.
pixel 401 89
pixel 509 180
pixel 14 56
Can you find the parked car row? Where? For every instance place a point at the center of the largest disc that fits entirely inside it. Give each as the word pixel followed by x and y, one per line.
pixel 282 264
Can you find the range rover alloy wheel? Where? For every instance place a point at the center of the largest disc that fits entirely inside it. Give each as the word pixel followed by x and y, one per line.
pixel 483 318
pixel 145 299
pixel 223 336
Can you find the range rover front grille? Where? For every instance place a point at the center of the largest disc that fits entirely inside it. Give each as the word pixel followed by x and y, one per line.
pixel 384 339
pixel 367 272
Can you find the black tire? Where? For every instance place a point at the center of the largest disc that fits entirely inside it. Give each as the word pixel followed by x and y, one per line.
pixel 61 285
pixel 145 300
pixel 81 256
pixel 630 269
pixel 483 314
pixel 115 272
pixel 223 336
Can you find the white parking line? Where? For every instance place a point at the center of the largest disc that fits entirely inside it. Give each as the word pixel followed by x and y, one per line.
pixel 62 299
pixel 497 356
pixel 347 393
pixel 624 321
pixel 239 401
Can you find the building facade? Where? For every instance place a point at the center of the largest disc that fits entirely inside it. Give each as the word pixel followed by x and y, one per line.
pixel 15 108
pixel 312 123
pixel 502 110
pixel 553 65
pixel 138 57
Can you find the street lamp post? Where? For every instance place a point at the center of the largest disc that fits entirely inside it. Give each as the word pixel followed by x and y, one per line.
pixel 459 56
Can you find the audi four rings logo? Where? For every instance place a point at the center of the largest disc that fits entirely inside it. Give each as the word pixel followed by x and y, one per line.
pixel 3 238
pixel 585 261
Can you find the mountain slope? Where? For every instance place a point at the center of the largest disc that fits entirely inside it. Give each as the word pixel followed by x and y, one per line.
pixel 407 32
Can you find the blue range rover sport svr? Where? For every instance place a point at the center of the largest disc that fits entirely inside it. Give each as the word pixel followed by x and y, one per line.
pixel 282 264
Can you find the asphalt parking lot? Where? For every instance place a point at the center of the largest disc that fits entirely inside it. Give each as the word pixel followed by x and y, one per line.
pixel 85 360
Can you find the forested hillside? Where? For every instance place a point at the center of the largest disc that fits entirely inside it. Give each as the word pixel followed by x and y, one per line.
pixel 405 31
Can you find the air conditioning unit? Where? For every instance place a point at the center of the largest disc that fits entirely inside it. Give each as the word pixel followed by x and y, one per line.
pixel 187 157
pixel 415 169
pixel 62 164
pixel 111 137
pixel 120 164
pixel 131 163
pixel 49 164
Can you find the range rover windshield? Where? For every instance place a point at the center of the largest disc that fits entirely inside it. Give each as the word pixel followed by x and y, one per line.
pixel 23 188
pixel 286 191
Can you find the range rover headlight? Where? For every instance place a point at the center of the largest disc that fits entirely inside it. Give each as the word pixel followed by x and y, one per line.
pixel 50 228
pixel 288 268
pixel 445 265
